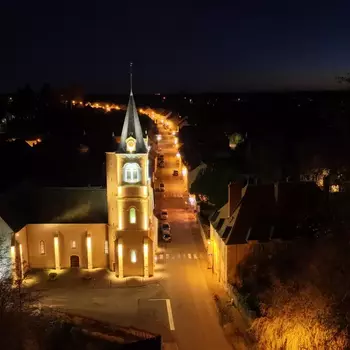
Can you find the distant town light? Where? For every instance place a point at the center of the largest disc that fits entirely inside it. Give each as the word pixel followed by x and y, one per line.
pixel 159 137
pixel 178 155
pixel 334 188
pixel 184 171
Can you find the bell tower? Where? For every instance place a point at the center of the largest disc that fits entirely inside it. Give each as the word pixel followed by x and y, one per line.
pixel 128 197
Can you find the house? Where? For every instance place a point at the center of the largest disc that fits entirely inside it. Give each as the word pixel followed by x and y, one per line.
pixel 258 214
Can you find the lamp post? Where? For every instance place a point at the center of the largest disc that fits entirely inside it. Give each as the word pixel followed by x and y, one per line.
pixel 210 255
pixel 184 176
pixel 179 163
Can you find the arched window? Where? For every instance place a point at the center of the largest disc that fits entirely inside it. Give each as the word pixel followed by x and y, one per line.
pixel 132 216
pixel 42 247
pixel 132 173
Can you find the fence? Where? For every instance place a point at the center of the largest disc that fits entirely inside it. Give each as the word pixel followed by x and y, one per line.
pixel 128 334
pixel 239 303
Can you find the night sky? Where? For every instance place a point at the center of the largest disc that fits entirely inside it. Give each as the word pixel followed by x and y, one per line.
pixel 175 45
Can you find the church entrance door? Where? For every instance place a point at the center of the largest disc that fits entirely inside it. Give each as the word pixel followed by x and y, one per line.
pixel 74 261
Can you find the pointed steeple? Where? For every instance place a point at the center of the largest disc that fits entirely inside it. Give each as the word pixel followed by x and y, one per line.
pixel 132 126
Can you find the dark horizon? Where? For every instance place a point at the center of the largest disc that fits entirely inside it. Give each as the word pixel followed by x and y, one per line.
pixel 182 92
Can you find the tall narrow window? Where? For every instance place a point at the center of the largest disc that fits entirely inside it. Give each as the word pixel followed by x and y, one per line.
pixel 132 216
pixel 42 247
pixel 106 247
pixel 74 244
pixel 133 256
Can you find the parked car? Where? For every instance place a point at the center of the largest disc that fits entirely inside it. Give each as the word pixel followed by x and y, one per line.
pixel 164 214
pixel 165 228
pixel 161 187
pixel 175 173
pixel 167 237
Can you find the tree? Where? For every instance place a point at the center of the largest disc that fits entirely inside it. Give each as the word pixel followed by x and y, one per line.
pixel 298 317
pixel 345 79
pixel 213 182
pixel 301 289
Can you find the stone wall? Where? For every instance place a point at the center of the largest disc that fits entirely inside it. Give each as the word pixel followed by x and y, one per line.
pixel 33 234
pixel 204 231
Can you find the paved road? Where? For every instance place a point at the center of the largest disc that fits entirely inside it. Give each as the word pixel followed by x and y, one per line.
pixel 195 318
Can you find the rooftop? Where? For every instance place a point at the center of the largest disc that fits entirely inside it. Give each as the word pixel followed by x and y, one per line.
pixel 53 206
pixel 266 212
pixel 132 128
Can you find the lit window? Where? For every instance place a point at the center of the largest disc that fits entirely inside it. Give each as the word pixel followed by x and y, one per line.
pixel 133 256
pixel 42 247
pixel 74 244
pixel 106 247
pixel 131 173
pixel 132 216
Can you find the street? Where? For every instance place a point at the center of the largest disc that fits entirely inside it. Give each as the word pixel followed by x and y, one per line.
pixel 195 318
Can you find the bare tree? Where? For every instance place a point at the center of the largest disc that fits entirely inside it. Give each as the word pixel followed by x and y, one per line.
pixel 298 317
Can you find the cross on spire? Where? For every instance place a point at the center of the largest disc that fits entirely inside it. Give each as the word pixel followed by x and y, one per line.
pixel 130 78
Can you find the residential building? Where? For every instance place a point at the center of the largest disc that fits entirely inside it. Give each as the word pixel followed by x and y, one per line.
pixel 258 214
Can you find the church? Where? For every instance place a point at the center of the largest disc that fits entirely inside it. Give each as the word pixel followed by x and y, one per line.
pixel 113 227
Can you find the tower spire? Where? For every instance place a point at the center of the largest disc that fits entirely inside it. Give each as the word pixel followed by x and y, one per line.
pixel 130 78
pixel 132 126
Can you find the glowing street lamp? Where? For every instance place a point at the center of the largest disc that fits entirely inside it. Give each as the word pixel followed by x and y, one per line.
pixel 192 200
pixel 184 171
pixel 159 137
pixel 177 155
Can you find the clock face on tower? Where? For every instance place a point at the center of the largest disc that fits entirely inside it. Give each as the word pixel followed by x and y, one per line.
pixel 131 144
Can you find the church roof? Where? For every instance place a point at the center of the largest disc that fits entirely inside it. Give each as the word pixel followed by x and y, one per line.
pixel 132 128
pixel 85 205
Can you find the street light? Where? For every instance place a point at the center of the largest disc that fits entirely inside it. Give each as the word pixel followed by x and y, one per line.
pixel 178 155
pixel 192 200
pixel 184 171
pixel 159 137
